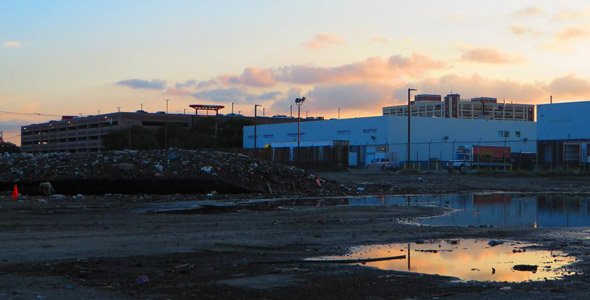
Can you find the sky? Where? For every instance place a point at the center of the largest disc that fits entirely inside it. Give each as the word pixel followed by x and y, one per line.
pixel 78 57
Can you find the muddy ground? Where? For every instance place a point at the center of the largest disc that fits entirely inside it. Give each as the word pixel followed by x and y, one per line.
pixel 106 247
pixel 444 183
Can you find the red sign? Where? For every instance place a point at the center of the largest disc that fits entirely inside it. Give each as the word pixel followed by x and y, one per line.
pixel 206 107
pixel 492 152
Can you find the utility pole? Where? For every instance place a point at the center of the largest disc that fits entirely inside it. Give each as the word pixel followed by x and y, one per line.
pixel 255 123
pixel 339 112
pixel 118 108
pixel 141 106
pixel 409 128
pixel 167 105
pixel 299 102
pixel 232 108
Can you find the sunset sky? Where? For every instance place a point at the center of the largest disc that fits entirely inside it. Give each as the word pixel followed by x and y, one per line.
pixel 78 57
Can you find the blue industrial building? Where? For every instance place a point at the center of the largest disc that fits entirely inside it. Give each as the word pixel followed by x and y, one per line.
pixel 563 134
pixel 433 139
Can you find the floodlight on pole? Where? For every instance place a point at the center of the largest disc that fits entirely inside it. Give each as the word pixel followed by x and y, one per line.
pixel 299 102
pixel 255 123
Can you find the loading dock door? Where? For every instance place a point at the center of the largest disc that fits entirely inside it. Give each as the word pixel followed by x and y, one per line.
pixel 352 159
pixel 548 153
pixel 571 153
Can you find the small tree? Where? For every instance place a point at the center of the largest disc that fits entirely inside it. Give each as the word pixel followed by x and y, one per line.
pixel 7 147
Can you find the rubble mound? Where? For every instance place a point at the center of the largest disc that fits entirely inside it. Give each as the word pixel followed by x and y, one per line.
pixel 158 171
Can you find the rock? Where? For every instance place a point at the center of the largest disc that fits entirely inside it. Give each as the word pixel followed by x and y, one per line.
pixel 494 243
pixel 125 166
pixel 525 268
pixel 57 197
pixel 172 155
pixel 46 188
pixel 141 280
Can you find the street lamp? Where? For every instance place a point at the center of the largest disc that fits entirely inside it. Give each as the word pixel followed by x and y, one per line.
pixel 409 128
pixel 299 102
pixel 255 123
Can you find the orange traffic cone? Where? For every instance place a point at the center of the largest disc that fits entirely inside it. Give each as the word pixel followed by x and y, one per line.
pixel 15 192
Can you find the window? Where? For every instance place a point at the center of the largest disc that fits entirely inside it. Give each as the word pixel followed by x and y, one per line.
pixel 517 134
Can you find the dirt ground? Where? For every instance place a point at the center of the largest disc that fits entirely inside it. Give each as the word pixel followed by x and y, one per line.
pixel 106 247
pixel 442 182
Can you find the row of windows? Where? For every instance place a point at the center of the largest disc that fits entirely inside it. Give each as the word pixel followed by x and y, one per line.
pixel 62 140
pixel 72 128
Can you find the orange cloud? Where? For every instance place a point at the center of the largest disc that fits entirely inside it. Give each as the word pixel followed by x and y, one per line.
pixel 323 40
pixel 570 85
pixel 372 69
pixel 524 30
pixel 571 33
pixel 489 56
pixel 476 85
pixel 379 39
pixel 251 77
pixel 569 15
pixel 530 11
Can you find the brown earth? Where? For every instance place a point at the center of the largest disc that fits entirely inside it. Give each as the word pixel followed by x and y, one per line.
pixel 99 246
pixel 438 183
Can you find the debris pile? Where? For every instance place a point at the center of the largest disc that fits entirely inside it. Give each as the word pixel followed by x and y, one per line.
pixel 213 171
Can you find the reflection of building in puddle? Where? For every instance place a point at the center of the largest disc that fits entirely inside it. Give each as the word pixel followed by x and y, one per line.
pixel 466 259
pixel 504 210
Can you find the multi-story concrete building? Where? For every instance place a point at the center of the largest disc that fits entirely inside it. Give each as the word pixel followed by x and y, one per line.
pixel 84 134
pixel 453 107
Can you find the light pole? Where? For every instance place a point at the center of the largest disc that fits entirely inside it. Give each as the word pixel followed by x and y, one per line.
pixel 255 123
pixel 299 102
pixel 409 128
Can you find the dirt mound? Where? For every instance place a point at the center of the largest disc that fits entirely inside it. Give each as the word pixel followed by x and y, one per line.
pixel 159 171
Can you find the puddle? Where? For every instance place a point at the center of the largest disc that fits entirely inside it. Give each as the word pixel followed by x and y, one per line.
pixel 492 210
pixel 506 210
pixel 467 259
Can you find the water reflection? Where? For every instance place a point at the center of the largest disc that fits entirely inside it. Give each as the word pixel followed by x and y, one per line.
pixel 503 210
pixel 498 210
pixel 466 259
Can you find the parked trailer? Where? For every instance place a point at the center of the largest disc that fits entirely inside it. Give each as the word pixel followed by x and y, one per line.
pixel 480 157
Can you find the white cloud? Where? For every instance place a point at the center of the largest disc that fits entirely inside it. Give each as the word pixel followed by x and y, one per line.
pixel 12 44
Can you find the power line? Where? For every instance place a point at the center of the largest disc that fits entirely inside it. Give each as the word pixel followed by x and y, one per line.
pixel 28 114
